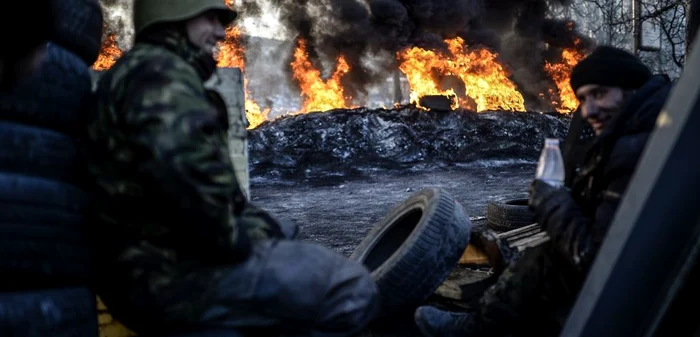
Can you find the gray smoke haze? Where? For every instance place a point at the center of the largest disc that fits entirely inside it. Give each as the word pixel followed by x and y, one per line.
pixel 519 30
pixel 117 16
pixel 370 32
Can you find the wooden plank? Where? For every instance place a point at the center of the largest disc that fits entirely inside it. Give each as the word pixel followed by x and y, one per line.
pixel 474 256
pixel 533 227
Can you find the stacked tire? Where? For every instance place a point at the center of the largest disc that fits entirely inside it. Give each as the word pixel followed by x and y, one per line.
pixel 508 213
pixel 44 208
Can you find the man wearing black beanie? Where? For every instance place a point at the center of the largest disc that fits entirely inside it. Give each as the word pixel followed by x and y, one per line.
pixel 604 80
pixel 621 100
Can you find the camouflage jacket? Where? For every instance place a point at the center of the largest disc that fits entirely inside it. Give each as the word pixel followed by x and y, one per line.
pixel 167 201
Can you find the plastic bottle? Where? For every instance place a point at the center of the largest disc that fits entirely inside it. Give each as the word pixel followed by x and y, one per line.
pixel 550 167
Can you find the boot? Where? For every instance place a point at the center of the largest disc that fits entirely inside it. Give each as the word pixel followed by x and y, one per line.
pixel 433 322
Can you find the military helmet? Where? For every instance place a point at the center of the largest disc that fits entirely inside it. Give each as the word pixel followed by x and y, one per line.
pixel 149 12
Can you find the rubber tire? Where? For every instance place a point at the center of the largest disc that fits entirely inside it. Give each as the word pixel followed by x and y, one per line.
pixel 40 152
pixel 68 312
pixel 77 26
pixel 42 233
pixel 55 97
pixel 508 213
pixel 413 249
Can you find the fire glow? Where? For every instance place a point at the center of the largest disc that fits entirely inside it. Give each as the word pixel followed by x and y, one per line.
pixel 231 54
pixel 486 81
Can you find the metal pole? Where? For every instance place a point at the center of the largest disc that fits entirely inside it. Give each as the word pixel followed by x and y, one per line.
pixel 637 25
pixel 398 96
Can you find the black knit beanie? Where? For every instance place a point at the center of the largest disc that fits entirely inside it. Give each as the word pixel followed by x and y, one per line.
pixel 612 67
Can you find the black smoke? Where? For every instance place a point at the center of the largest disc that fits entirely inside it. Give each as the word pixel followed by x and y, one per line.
pixel 521 31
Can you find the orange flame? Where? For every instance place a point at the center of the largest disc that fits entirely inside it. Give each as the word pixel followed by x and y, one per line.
pixel 253 113
pixel 561 74
pixel 417 64
pixel 109 53
pixel 485 79
pixel 231 54
pixel 318 94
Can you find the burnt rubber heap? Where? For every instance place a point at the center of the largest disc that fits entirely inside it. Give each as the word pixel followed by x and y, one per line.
pixel 351 141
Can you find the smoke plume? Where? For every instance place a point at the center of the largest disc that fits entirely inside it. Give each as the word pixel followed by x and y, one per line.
pixel 369 33
pixel 117 17
pixel 521 31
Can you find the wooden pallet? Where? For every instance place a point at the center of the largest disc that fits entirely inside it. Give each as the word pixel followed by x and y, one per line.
pixel 487 254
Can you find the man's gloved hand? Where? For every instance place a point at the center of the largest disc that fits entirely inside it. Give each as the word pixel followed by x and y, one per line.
pixel 261 225
pixel 545 200
pixel 564 220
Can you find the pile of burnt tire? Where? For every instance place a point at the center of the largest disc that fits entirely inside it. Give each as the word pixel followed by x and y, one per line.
pixel 44 250
pixel 413 249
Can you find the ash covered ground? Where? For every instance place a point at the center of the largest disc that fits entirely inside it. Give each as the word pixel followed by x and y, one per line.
pixel 337 211
pixel 337 173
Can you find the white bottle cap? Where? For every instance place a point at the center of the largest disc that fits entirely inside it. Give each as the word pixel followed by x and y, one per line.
pixel 551 141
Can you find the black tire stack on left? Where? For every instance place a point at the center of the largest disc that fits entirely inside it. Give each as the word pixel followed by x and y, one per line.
pixel 45 289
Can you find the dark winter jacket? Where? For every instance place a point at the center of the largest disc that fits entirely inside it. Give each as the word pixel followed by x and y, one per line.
pixel 578 224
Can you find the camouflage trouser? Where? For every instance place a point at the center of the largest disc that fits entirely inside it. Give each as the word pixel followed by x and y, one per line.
pixel 532 296
pixel 297 289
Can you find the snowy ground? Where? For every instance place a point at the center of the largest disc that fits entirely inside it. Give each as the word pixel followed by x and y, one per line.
pixel 338 211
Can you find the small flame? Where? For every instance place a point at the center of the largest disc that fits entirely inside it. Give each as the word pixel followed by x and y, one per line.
pixel 318 94
pixel 253 113
pixel 231 54
pixel 109 53
pixel 485 79
pixel 417 64
pixel 561 74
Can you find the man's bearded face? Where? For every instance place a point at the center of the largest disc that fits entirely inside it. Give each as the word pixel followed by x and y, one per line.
pixel 599 104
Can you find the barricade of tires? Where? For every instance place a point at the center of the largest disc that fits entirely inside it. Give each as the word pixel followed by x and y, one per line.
pixel 44 250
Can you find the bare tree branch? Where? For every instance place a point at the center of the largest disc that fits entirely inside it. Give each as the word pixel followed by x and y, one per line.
pixel 612 22
pixel 660 11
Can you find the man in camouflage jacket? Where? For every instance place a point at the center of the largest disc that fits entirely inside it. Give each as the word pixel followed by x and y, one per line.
pixel 620 99
pixel 178 246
